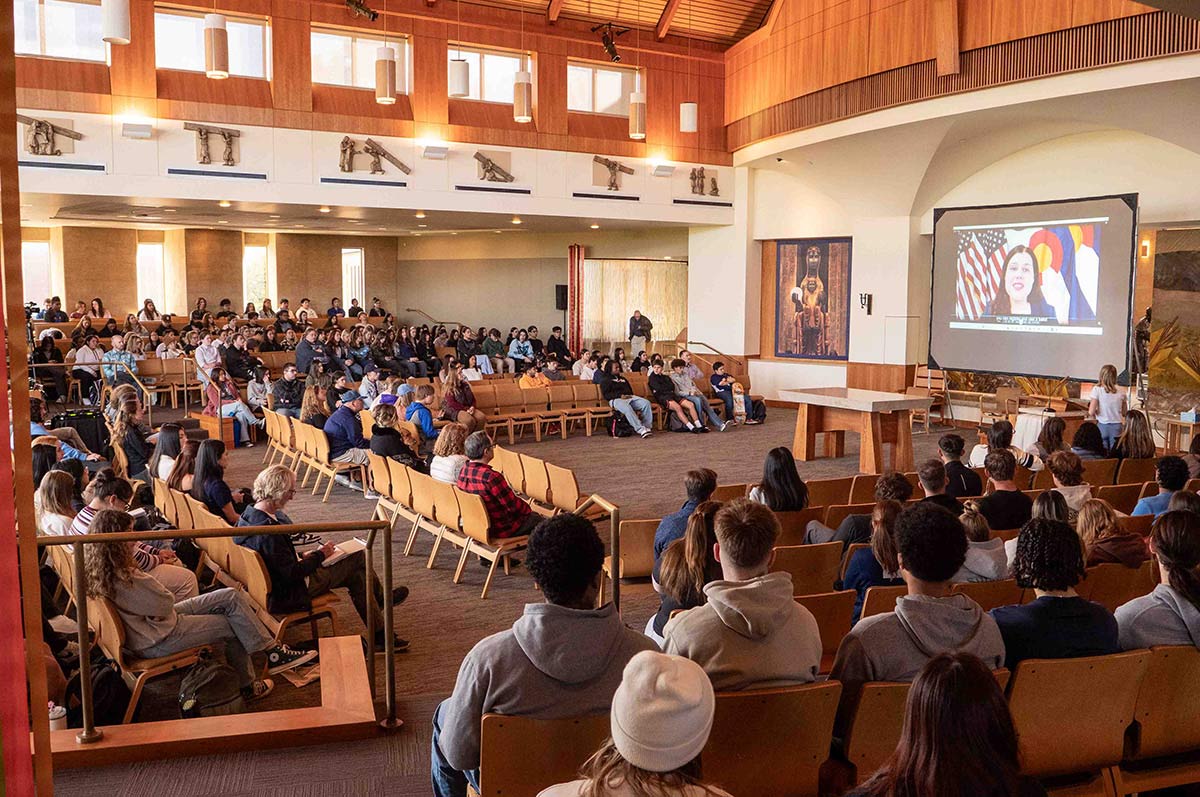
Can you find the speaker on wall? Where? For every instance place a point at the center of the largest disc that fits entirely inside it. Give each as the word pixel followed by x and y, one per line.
pixel 560 297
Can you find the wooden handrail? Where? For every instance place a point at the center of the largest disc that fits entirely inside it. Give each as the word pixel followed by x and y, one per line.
pixel 741 360
pixel 614 537
pixel 433 320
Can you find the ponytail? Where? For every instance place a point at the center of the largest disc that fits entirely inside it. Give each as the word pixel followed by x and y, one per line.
pixel 1176 539
pixel 685 564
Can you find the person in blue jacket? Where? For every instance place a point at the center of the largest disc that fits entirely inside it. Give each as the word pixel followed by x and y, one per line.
pixel 521 350
pixel 419 413
pixel 722 385
pixel 877 566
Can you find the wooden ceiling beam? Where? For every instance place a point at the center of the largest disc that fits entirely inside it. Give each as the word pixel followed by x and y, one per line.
pixel 664 21
pixel 553 10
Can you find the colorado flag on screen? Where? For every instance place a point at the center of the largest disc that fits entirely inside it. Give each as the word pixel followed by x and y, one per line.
pixel 981 256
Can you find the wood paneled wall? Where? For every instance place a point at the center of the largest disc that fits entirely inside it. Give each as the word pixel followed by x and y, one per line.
pixel 214 267
pixel 311 265
pixel 807 64
pixel 132 85
pixel 100 261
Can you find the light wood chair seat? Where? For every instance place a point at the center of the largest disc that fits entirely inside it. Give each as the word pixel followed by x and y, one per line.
pixel 991 594
pixel 477 528
pixel 814 568
pixel 637 551
pixel 833 612
pixel 881 600
pixel 506 766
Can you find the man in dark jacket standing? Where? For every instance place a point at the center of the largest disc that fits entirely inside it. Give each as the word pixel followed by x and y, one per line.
pixel 288 392
pixel 295 581
pixel 639 333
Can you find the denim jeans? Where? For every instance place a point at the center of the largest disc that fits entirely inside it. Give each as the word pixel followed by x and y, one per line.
pixel 448 781
pixel 704 408
pixel 483 363
pixel 1109 432
pixel 636 410
pixel 238 410
pixel 727 397
pixel 224 615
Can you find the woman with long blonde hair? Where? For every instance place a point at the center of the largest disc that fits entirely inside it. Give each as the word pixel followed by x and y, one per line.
pixel 1103 539
pixel 661 717
pixel 1107 405
pixel 1137 441
pixel 313 406
pixel 54 512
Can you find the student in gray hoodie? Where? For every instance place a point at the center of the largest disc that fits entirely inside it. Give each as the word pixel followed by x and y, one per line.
pixel 562 658
pixel 751 634
pixel 927 621
pixel 986 558
pixel 1170 615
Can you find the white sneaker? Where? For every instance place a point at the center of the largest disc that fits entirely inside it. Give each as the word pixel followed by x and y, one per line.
pixel 725 425
pixel 645 433
pixel 371 495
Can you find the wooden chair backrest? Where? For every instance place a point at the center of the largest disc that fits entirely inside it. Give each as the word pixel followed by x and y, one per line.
pixel 792 525
pixel 562 396
pixel 851 549
pixel 1168 704
pixel 248 567
pixel 535 399
pixel 381 477
pixel 827 492
pixel 367 419
pixel 485 396
pixel 63 563
pixel 1113 584
pixel 401 485
pixel 320 445
pixel 881 600
pixel 564 489
pixel 271 424
pixel 1061 727
pixel 933 379
pixel 863 489
pixel 991 594
pixel 509 398
pixel 637 548
pixel 473 516
pixel 791 728
pixel 1043 479
pixel 587 394
pixel 537 479
pixel 1136 524
pixel 813 568
pixel 832 611
pixel 413 432
pixel 110 631
pixel 728 492
pixel 834 515
pixel 423 500
pixel 1121 497
pixel 1100 472
pixel 445 504
pixel 120 461
pixel 509 465
pixel 563 745
pixel 183 511
pixel 1131 471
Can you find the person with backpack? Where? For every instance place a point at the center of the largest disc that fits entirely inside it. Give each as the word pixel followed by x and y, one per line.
pixel 617 391
pixel 155 625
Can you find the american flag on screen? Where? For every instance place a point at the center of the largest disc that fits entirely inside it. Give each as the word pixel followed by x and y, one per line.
pixel 980 263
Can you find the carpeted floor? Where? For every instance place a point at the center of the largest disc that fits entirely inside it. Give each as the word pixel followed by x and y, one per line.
pixel 444 620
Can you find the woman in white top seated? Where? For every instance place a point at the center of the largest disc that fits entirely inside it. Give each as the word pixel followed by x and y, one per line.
pixel 448 453
pixel 166 450
pixel 55 514
pixel 1107 404
pixel 1000 437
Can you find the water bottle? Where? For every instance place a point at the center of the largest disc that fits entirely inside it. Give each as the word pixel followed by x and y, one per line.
pixel 58 717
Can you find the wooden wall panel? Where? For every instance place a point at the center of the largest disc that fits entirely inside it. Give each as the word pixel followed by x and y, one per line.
pixel 291 64
pixel 766 336
pixel 214 265
pixel 550 93
pixel 101 261
pixel 55 74
pixel 132 69
pixel 879 376
pixel 334 101
pixel 195 87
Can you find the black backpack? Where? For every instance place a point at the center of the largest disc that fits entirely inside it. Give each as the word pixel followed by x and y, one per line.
pixel 758 411
pixel 618 426
pixel 110 695
pixel 210 689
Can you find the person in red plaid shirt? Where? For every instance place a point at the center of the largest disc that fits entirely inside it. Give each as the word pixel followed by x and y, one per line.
pixel 509 515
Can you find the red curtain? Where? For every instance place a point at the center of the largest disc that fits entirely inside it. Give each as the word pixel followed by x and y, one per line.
pixel 574 330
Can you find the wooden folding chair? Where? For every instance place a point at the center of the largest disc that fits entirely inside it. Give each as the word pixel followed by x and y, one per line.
pixel 247 566
pixel 1100 472
pixel 991 594
pixel 881 600
pixel 477 527
pixel 381 482
pixel 423 507
pixel 561 408
pixel 771 741
pixel 563 745
pixel 814 568
pixel 537 485
pixel 827 492
pixel 1071 716
pixel 1163 749
pixel 509 465
pixel 834 515
pixel 1114 584
pixel 325 466
pixel 851 549
pixel 591 404
pixel 792 525
pixel 1132 471
pixel 637 551
pixel 863 489
pixel 833 612
pixel 1121 497
pixel 445 504
pixel 728 492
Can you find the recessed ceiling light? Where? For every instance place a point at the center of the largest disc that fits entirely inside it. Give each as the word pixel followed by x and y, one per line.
pixel 454 233
pixel 222 221
pixel 299 225
pixel 224 203
pixel 595 226
pixel 420 214
pixel 496 231
pixel 273 216
pixel 381 228
pixel 422 225
pixel 666 257
pixel 416 235
pixel 516 220
pixel 168 210
pixel 324 208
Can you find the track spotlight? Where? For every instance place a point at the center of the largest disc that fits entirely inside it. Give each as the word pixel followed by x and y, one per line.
pixel 362 9
pixel 608 39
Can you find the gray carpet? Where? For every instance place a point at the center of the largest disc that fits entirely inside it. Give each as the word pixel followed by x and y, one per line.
pixel 444 620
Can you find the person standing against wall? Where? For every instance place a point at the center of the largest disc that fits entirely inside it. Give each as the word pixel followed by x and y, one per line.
pixel 639 331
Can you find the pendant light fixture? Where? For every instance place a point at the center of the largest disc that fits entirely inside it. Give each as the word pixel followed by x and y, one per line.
pixel 114 21
pixel 216 47
pixel 523 84
pixel 637 99
pixel 385 68
pixel 459 76
pixel 689 112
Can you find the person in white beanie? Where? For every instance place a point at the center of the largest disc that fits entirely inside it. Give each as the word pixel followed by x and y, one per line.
pixel 562 658
pixel 661 716
pixel 750 633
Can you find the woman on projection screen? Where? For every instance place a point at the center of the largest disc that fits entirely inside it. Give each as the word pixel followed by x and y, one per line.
pixel 1020 292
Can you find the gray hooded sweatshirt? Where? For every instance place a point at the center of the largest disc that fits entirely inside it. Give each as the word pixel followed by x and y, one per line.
pixel 750 635
pixel 553 663
pixel 895 646
pixel 986 561
pixel 1164 617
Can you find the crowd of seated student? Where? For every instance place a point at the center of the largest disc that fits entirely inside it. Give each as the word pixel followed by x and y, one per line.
pixel 891 486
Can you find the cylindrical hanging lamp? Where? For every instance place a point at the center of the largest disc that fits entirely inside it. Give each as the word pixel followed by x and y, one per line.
pixel 114 21
pixel 689 114
pixel 459 77
pixel 523 96
pixel 385 76
pixel 216 47
pixel 637 109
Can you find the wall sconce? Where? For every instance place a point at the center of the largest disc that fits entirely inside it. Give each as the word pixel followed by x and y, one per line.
pixel 663 169
pixel 435 152
pixel 138 131
pixel 1145 248
pixel 864 301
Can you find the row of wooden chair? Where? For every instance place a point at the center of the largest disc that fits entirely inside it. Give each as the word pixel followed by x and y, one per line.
pixel 778 741
pixel 300 443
